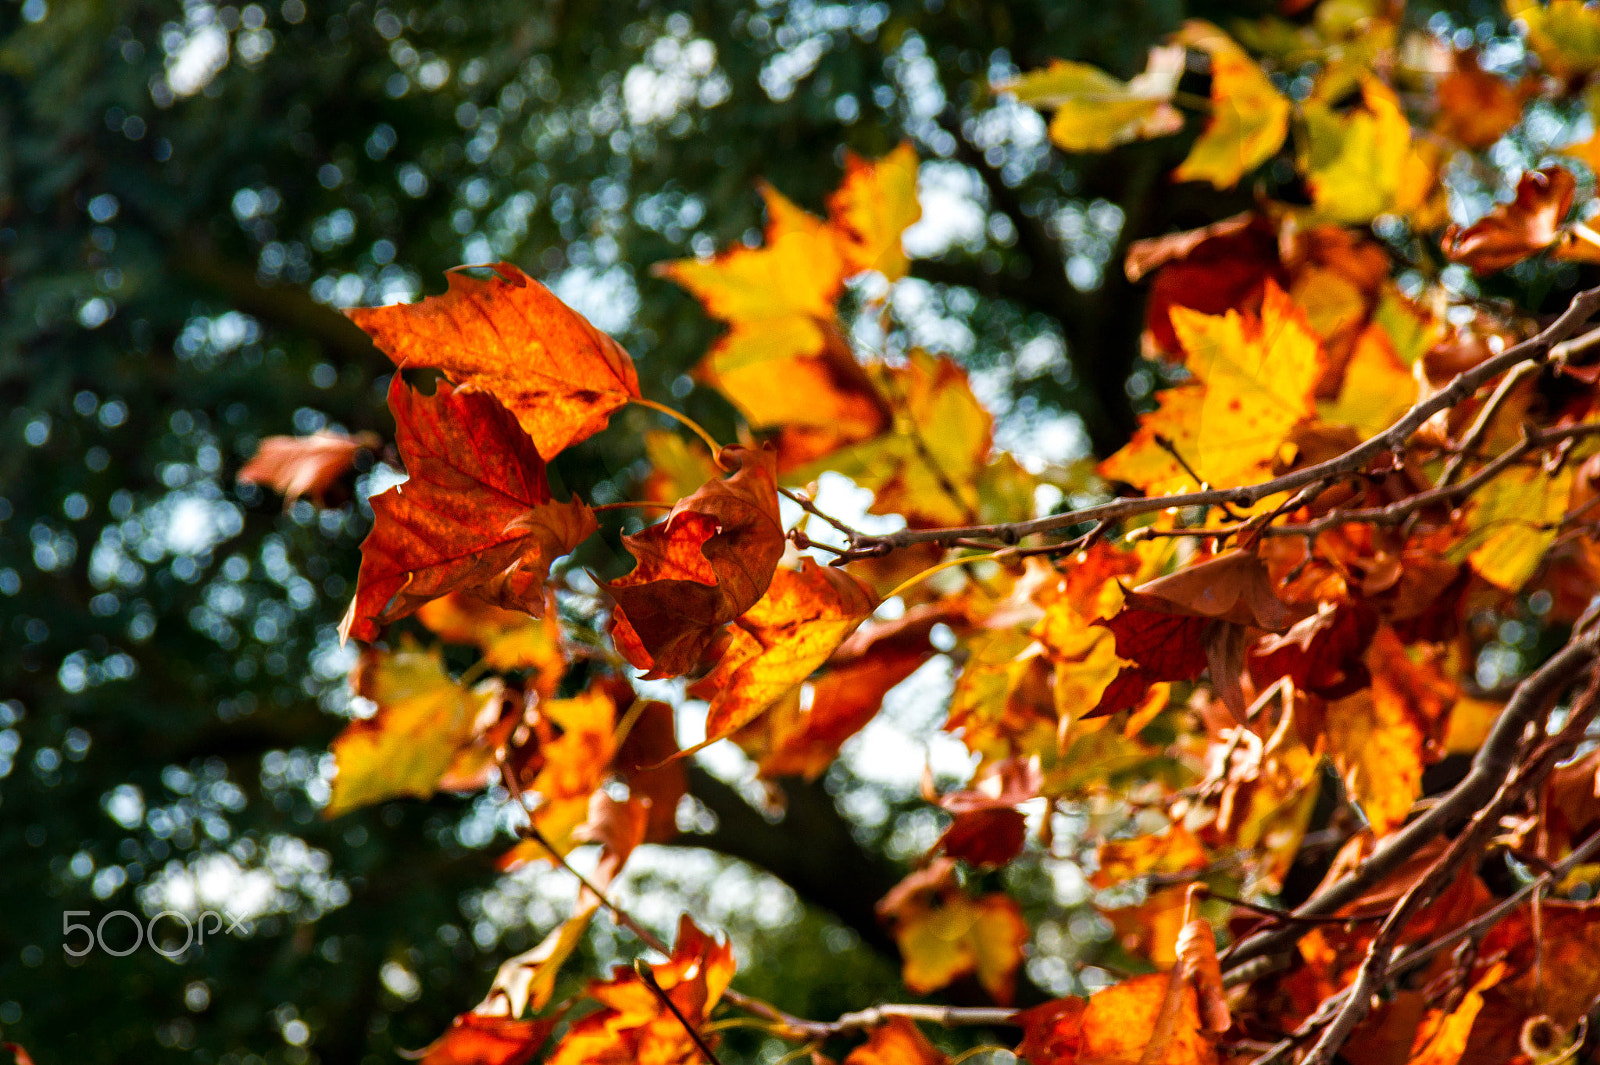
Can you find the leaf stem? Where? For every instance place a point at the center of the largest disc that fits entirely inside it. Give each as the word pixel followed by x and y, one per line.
pixel 937 566
pixel 687 422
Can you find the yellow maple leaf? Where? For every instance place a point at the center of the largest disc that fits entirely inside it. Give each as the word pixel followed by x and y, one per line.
pixel 1259 377
pixel 1143 462
pixel 1512 520
pixel 799 270
pixel 928 467
pixel 1377 387
pixel 1095 111
pixel 1175 850
pixel 1356 162
pixel 1249 116
pixel 958 935
pixel 1564 34
pixel 424 717
pixel 509 639
pixel 1443 1040
pixel 872 208
pixel 1378 751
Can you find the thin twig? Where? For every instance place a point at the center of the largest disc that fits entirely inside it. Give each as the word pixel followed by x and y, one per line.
pixel 1416 957
pixel 1480 426
pixel 1494 760
pixel 648 978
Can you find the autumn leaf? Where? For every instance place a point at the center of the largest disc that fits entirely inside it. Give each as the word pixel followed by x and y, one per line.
pixel 476 1039
pixel 1355 162
pixel 1095 111
pixel 1377 387
pixel 577 751
pixel 475 514
pixel 509 639
pixel 633 1025
pixel 1176 627
pixel 1511 232
pixel 1259 379
pixel 1476 108
pixel 873 206
pixel 305 466
pixel 1567 941
pixel 896 1042
pixel 423 718
pixel 1445 1040
pixel 1512 522
pixel 1216 268
pixel 645 760
pixel 988 829
pixel 928 466
pixel 1324 654
pixel 792 739
pixel 709 562
pixel 1172 851
pixel 1249 116
pixel 1564 34
pixel 1255 381
pixel 1116 1027
pixel 780 641
pixel 944 933
pixel 510 336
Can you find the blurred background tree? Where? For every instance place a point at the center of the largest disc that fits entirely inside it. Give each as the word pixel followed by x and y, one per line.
pixel 187 194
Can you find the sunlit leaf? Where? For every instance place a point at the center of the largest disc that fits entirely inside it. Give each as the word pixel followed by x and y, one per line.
pixel 509 336
pixel 475 514
pixel 1249 116
pixel 1095 111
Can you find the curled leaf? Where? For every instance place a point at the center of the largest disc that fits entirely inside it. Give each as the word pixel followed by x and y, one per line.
pixel 510 336
pixel 475 515
pixel 1511 232
pixel 709 562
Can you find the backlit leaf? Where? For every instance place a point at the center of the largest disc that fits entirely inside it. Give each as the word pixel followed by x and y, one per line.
pixel 780 641
pixel 423 718
pixel 1095 111
pixel 896 1042
pixel 475 514
pixel 508 335
pixel 706 564
pixel 874 205
pixel 1355 162
pixel 1249 116
pixel 305 466
pixel 1513 231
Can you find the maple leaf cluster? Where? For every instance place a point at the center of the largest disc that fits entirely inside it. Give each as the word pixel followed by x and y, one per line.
pixel 1249 644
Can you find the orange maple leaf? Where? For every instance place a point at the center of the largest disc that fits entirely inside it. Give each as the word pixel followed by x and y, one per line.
pixel 475 515
pixel 300 466
pixel 709 562
pixel 944 933
pixel 896 1042
pixel 791 740
pixel 780 641
pixel 1511 232
pixel 476 1039
pixel 634 1026
pixel 1131 1023
pixel 872 207
pixel 509 335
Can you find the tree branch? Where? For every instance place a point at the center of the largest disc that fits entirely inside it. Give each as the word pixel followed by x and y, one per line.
pixel 1535 349
pixel 1494 761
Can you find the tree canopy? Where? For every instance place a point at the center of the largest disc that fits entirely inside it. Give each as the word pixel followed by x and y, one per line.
pixel 919 530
